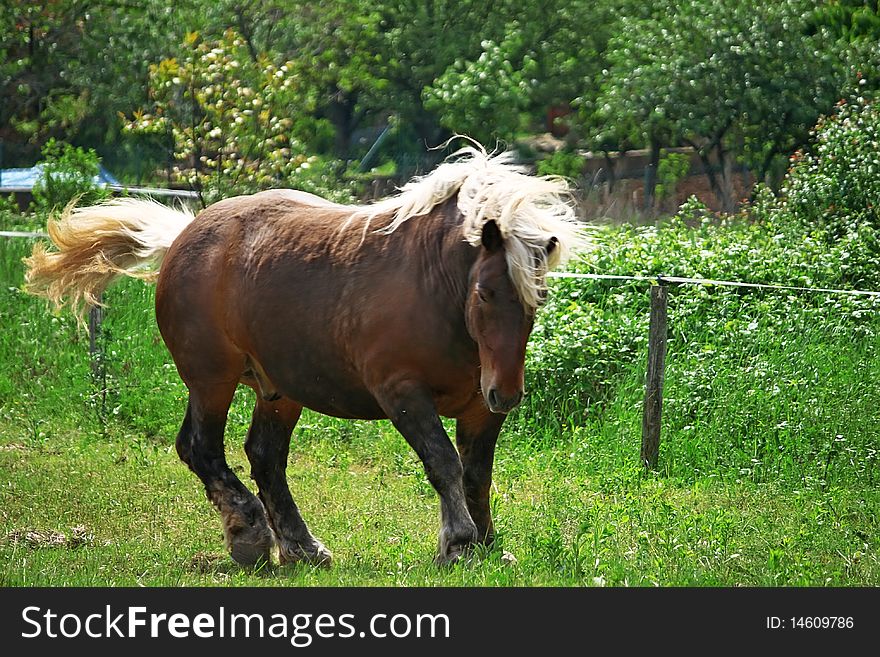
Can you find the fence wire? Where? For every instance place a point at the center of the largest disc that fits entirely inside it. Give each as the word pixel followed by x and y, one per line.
pixel 682 280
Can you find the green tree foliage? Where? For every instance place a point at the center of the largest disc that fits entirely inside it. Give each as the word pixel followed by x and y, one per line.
pixel 733 79
pixel 672 168
pixel 851 20
pixel 495 84
pixel 334 49
pixel 67 67
pixel 856 26
pixel 339 56
pixel 231 121
pixel 548 54
pixel 68 174
pixel 793 78
pixel 421 41
pixel 741 81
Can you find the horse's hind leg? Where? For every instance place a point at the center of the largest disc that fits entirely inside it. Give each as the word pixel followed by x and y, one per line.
pixel 267 447
pixel 200 446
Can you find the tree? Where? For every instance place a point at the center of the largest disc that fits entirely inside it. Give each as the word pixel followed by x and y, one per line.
pixel 340 56
pixel 628 108
pixel 855 24
pixel 548 54
pixel 238 124
pixel 849 20
pixel 494 84
pixel 733 79
pixel 792 77
pixel 67 67
pixel 38 39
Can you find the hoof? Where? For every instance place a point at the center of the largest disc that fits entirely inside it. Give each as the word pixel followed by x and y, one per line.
pixel 454 555
pixel 250 554
pixel 455 547
pixel 248 544
pixel 313 553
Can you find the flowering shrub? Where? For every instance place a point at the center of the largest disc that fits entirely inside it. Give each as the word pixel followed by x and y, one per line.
pixel 836 185
pixel 238 124
pixel 833 191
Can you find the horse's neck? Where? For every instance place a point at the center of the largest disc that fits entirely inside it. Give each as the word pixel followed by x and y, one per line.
pixel 447 257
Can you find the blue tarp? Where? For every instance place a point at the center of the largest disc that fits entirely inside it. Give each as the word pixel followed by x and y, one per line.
pixel 27 178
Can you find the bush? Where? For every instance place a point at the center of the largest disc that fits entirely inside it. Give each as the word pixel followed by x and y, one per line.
pixel 753 377
pixel 68 174
pixel 672 168
pixel 822 233
pixel 562 163
pixel 833 191
pixel 836 186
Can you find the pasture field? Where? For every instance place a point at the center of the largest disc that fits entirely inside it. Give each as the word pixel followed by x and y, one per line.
pixel 768 471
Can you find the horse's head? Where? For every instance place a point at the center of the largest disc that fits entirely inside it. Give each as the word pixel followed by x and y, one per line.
pixel 499 322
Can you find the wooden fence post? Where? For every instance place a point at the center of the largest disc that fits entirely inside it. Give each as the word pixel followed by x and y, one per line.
pixel 654 379
pixel 94 333
pixel 97 357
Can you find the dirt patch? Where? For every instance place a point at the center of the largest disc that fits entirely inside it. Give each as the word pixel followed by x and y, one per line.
pixel 12 447
pixel 208 563
pixel 45 538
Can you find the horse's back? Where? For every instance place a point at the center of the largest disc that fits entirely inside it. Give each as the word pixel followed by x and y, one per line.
pixel 296 196
pixel 279 222
pixel 291 205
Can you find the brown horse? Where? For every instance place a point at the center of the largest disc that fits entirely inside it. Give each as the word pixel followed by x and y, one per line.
pixel 412 308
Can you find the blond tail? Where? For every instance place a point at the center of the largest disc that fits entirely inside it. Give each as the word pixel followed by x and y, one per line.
pixel 97 244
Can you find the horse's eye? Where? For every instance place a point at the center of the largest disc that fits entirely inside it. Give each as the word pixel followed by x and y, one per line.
pixel 484 293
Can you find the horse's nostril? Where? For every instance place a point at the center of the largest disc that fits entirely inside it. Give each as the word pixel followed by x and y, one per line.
pixel 492 398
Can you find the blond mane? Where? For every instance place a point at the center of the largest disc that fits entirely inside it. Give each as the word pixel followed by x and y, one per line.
pixel 529 211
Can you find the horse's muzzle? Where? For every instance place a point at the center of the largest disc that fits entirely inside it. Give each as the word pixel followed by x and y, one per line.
pixel 499 403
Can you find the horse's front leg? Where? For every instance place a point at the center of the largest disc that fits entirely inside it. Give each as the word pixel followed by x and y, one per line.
pixel 476 433
pixel 412 412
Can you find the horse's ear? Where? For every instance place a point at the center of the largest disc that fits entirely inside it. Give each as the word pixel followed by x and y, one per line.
pixel 552 244
pixel 491 236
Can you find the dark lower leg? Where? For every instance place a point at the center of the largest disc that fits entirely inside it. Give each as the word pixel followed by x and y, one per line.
pixel 413 414
pixel 200 446
pixel 444 471
pixel 476 438
pixel 267 447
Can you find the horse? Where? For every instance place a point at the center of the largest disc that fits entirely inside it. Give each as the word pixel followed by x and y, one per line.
pixel 411 308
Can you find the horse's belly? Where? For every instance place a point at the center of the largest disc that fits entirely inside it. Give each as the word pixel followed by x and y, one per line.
pixel 336 391
pixel 323 390
pixel 355 405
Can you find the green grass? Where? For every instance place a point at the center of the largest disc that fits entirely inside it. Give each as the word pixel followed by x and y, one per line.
pixel 144 521
pixel 768 470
